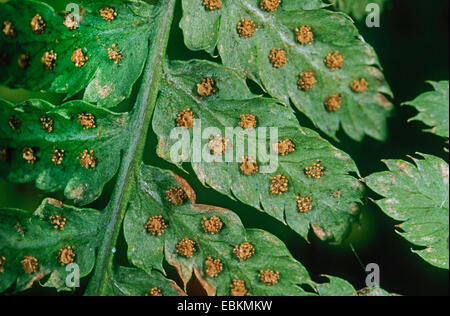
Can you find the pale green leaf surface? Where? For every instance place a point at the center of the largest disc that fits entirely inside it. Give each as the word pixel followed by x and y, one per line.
pixel 26 234
pixel 335 196
pixel 360 114
pixel 83 185
pixel 417 195
pixel 433 108
pixel 105 82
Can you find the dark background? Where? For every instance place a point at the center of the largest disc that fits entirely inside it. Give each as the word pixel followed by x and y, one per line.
pixel 413 46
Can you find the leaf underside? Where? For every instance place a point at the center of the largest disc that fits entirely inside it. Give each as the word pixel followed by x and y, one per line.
pixel 417 196
pixel 105 82
pixel 21 129
pixel 335 195
pixel 361 113
pixel 433 108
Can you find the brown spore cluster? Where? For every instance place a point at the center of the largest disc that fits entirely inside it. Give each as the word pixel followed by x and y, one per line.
pixel 79 58
pixel 304 35
pixel 176 195
pixel 23 61
pixel 66 255
pixel 185 118
pixel 58 222
pixel 186 248
pixel 156 225
pixel 154 291
pixel 87 159
pixel 333 102
pixel 304 204
pixel 58 156
pixel 279 184
pixel 246 28
pixel 307 81
pixel 278 58
pixel 47 124
pixel 270 5
pixel 248 121
pixel 269 277
pixel 212 5
pixel 9 30
pixel 244 251
pixel 108 13
pixel 249 166
pixel 114 54
pixel 207 87
pixel 212 225
pixel 218 145
pixel 48 60
pixel 214 267
pixel 238 288
pixel 359 86
pixel 30 264
pixel 315 171
pixel 29 155
pixel 38 24
pixel 87 120
pixel 334 61
pixel 284 147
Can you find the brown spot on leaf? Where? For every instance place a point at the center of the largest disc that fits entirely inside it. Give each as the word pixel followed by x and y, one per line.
pixel 304 204
pixel 49 59
pixel 9 30
pixel 249 166
pixel 270 5
pixel 156 225
pixel 87 159
pixel 246 28
pixel 278 58
pixel 306 81
pixel 66 255
pixel 238 288
pixel 186 118
pixel 334 61
pixel 244 251
pixel 58 222
pixel 212 225
pixel 214 267
pixel 333 102
pixel 304 35
pixel 79 58
pixel 207 87
pixel 176 195
pixel 58 156
pixel 38 24
pixel 248 121
pixel 279 184
pixel 284 147
pixel 315 171
pixel 212 5
pixel 269 277
pixel 30 264
pixel 186 248
pixel 114 54
pixel 108 13
pixel 23 61
pixel 29 155
pixel 359 86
